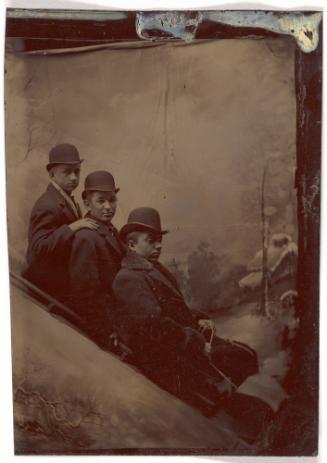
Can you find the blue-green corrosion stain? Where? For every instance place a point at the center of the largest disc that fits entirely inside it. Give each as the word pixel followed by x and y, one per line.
pixel 304 28
pixel 183 25
pixel 176 25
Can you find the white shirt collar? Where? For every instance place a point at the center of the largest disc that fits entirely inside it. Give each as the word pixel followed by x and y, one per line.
pixel 66 196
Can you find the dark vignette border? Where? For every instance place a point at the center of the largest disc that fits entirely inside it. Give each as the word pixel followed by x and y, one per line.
pixel 294 431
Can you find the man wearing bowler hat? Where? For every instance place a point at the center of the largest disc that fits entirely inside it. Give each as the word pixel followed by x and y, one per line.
pixel 152 316
pixel 96 257
pixel 54 220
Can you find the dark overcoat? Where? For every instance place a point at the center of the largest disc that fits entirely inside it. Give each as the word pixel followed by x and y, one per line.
pixel 151 308
pixel 49 243
pixel 154 319
pixel 94 262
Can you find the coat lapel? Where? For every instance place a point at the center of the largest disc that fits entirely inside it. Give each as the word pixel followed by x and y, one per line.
pixel 112 239
pixel 113 242
pixel 67 210
pixel 79 210
pixel 158 273
pixel 168 275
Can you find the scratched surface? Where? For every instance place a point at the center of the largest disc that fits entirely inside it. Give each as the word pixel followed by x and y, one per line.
pixel 185 129
pixel 303 26
pixel 202 118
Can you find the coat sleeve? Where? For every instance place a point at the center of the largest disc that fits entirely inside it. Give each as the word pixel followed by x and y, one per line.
pixel 46 237
pixel 86 295
pixel 83 267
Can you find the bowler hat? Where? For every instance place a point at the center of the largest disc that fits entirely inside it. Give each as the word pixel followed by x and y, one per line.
pixel 143 219
pixel 64 153
pixel 100 180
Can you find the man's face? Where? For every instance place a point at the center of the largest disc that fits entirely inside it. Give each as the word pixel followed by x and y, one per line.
pixel 148 245
pixel 102 205
pixel 66 176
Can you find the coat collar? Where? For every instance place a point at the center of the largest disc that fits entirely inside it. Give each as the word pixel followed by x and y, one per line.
pixel 133 261
pixel 110 234
pixel 55 194
pixel 158 272
pixel 69 199
pixel 52 191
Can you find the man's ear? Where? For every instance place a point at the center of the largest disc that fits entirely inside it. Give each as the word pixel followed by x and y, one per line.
pixel 130 243
pixel 87 203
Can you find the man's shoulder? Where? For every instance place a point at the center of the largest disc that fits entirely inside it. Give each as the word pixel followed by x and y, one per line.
pixel 47 200
pixel 88 235
pixel 128 284
pixel 127 274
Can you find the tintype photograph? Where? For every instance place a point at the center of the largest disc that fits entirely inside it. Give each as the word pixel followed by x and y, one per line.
pixel 163 205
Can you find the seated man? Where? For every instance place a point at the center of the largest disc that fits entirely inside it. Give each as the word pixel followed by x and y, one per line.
pixel 95 258
pixel 152 316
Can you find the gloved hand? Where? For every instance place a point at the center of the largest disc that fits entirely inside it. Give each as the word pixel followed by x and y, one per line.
pixel 206 324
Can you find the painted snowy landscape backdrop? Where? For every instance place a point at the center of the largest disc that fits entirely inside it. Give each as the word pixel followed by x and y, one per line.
pixel 205 133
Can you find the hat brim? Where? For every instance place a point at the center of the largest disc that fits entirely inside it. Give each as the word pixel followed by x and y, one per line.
pixel 137 226
pixel 101 189
pixel 70 163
